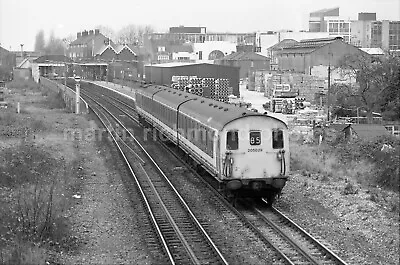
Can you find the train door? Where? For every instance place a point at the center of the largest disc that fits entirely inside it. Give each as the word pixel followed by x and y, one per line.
pixel 230 154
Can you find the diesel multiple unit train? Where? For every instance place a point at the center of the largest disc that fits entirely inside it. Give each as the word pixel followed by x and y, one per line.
pixel 246 152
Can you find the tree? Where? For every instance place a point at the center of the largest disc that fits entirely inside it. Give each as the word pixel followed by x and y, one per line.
pixel 40 42
pixel 345 100
pixel 377 79
pixel 128 35
pixel 107 32
pixel 55 46
pixel 133 34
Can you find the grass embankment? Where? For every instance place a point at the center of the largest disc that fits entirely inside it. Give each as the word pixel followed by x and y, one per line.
pixel 366 163
pixel 37 177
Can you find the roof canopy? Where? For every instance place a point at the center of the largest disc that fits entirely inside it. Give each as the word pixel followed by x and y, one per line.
pixel 53 59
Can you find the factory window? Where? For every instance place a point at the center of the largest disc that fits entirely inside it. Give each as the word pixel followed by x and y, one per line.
pixel 277 139
pixel 232 140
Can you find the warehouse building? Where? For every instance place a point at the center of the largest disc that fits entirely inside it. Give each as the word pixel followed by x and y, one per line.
pixel 302 56
pixel 162 74
pixel 248 61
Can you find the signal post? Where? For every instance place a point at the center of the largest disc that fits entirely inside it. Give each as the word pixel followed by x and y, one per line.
pixel 77 93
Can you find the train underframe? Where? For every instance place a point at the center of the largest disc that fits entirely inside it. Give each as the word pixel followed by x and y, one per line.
pixel 269 189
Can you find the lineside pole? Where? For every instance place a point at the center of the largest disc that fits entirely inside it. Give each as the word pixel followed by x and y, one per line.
pixel 77 94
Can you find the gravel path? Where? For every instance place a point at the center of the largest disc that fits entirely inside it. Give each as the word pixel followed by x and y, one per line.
pixel 103 221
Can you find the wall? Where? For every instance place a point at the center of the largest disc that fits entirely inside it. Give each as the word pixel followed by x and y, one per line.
pixel 22 73
pixel 207 47
pixel 107 55
pixel 68 95
pixel 247 66
pixel 163 75
pixel 126 55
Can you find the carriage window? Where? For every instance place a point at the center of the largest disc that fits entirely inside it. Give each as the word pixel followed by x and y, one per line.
pixel 255 138
pixel 277 138
pixel 232 140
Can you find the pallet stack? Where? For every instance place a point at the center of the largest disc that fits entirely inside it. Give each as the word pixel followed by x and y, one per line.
pixel 306 85
pixel 259 81
pixel 222 89
pixel 208 85
pixel 183 81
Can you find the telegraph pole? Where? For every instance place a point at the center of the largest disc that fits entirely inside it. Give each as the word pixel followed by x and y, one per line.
pixel 328 98
pixel 329 91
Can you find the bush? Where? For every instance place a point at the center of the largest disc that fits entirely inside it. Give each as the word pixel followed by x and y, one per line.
pixel 8 118
pixel 39 186
pixel 55 100
pixel 362 160
pixel 23 84
pixel 25 254
pixel 386 164
pixel 24 164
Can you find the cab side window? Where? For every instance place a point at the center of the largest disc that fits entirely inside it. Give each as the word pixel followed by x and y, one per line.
pixel 232 140
pixel 277 139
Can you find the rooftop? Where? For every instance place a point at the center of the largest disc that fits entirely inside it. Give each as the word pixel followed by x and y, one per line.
pixel 242 56
pixel 175 64
pixel 368 130
pixel 52 58
pixel 309 45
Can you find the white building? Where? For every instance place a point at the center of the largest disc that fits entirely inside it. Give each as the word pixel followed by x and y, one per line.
pixel 338 27
pixel 211 50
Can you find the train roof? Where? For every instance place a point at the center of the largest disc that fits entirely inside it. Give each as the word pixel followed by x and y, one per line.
pixel 208 111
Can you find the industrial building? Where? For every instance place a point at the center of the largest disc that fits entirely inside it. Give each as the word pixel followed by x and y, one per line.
pixel 317 21
pixel 206 45
pixel 302 56
pixel 247 61
pixel 328 20
pixel 367 32
pixel 162 74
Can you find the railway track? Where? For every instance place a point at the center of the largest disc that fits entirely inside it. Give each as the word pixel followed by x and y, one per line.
pixel 298 245
pixel 182 238
pixel 290 243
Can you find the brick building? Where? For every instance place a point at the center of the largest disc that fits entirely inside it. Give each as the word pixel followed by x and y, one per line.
pixel 247 61
pixel 86 43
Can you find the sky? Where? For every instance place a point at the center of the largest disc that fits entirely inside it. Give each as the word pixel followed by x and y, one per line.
pixel 21 20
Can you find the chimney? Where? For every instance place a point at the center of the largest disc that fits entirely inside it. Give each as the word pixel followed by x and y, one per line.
pixel 78 35
pixel 84 33
pixel 96 31
pixel 91 32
